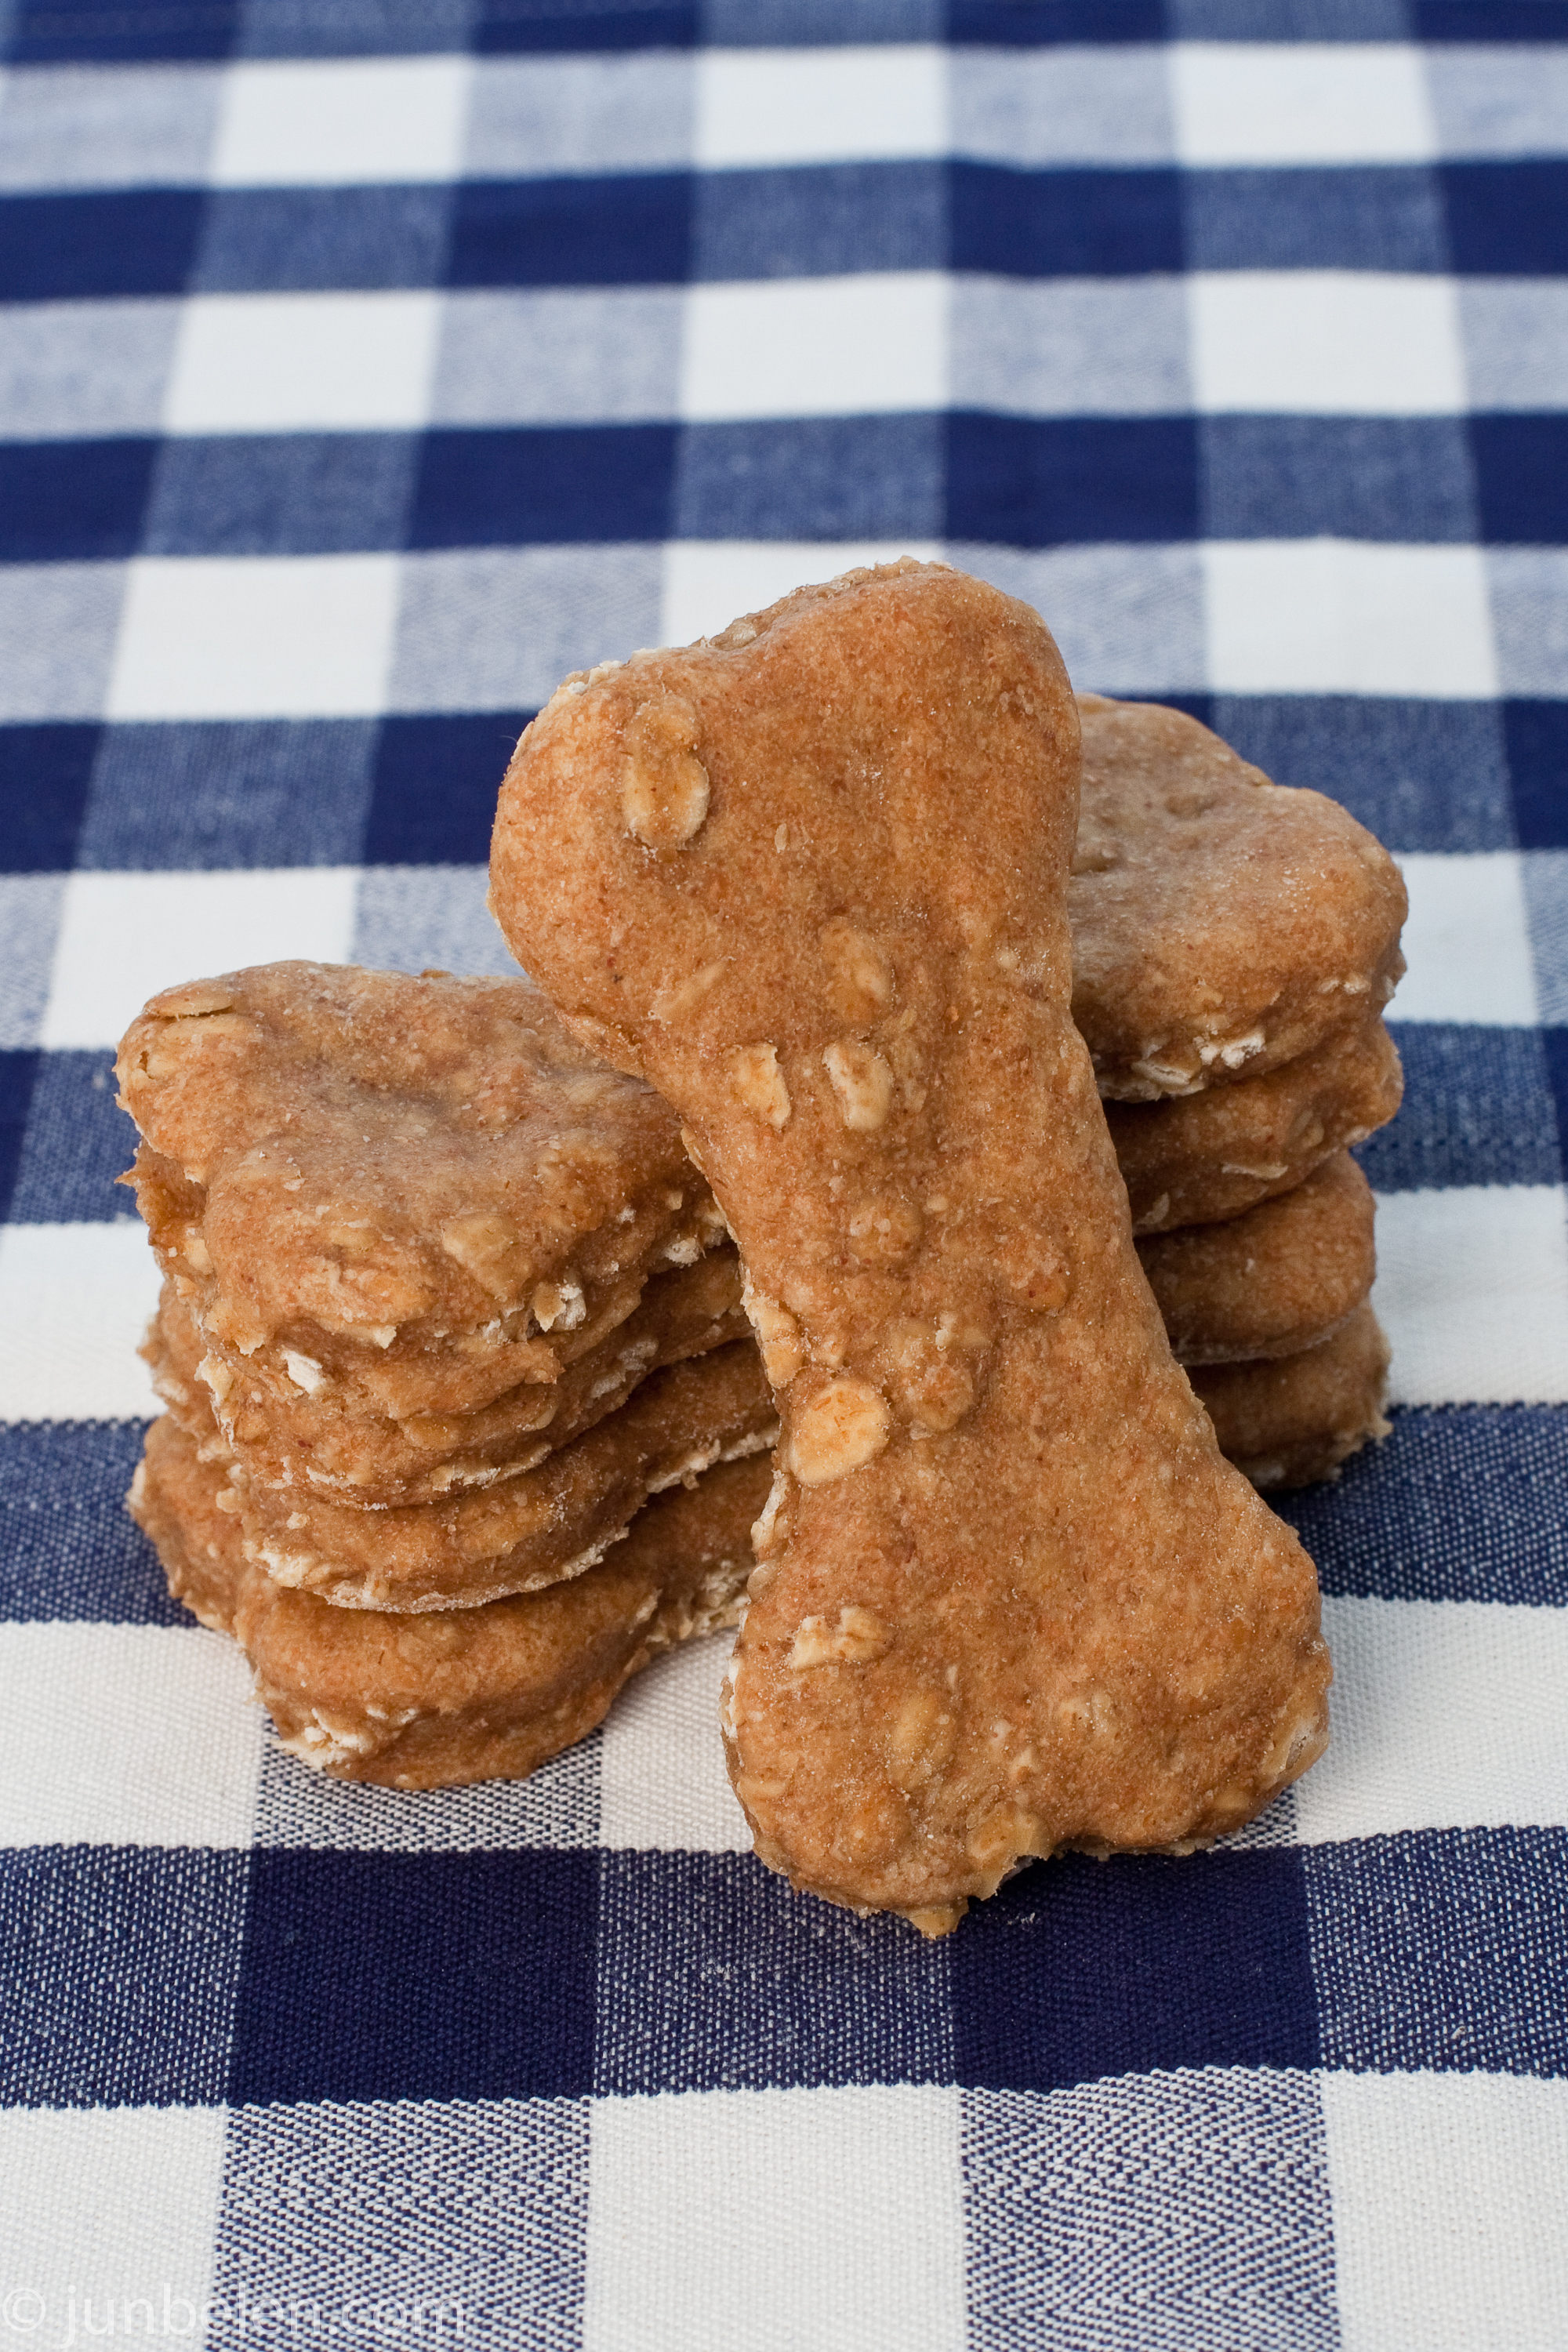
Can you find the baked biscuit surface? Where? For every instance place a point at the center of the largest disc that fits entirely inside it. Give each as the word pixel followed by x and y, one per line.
pixel 1222 924
pixel 809 879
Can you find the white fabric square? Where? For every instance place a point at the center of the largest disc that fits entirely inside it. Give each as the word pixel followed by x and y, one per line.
pixel 126 1735
pixel 708 583
pixel 83 369
pixel 116 2202
pixel 842 2222
pixel 1529 590
pixel 662 1782
pixel 1510 99
pixel 339 121
pixel 1070 346
pixel 1445 1713
pixel 122 126
pixel 761 107
pixel 75 1301
pixel 498 628
pixel 1325 343
pixel 857 346
pixel 1029 108
pixel 1516 341
pixel 122 937
pixel 58 625
pixel 1341 617
pixel 553 355
pixel 1448 2197
pixel 556 1807
pixel 29 917
pixel 1127 620
pixel 1467 939
pixel 1545 877
pixel 1472 1289
pixel 1275 104
pixel 266 636
pixel 544 117
pixel 302 362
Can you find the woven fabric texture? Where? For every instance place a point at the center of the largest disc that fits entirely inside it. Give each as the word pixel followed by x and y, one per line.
pixel 365 365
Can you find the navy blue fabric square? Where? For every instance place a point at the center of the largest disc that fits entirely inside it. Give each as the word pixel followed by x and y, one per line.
pixel 78 1142
pixel 1080 1968
pixel 69 249
pixel 280 494
pixel 1443 1950
pixel 1536 734
pixel 820 478
pixel 505 26
pixel 343 28
pixel 118 1968
pixel 1287 20
pixel 1405 479
pixel 1477 1109
pixel 1054 23
pixel 760 24
pixel 428 1976
pixel 44 772
pixel 1460 1502
pixel 1554 1049
pixel 1522 477
pixel 256 240
pixel 229 792
pixel 1373 216
pixel 433 798
pixel 1421 775
pixel 632 230
pixel 818 220
pixel 1487 21
pixel 1065 224
pixel 1507 220
pixel 18 1075
pixel 715 1975
pixel 500 488
pixel 1073 479
pixel 81 32
pixel 72 1552
pixel 72 501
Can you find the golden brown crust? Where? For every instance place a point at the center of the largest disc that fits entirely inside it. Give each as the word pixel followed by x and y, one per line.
pixel 415 1193
pixel 1202 1158
pixel 810 879
pixel 482 1694
pixel 1280 1278
pixel 1222 924
pixel 1291 1422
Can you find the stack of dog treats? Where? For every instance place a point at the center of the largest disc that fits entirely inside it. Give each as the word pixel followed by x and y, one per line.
pixel 465 1422
pixel 1235 944
pixel 444 1305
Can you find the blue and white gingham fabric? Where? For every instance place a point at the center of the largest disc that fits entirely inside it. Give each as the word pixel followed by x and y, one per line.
pixel 364 364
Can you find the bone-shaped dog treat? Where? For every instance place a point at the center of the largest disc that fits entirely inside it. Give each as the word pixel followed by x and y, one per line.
pixel 809 878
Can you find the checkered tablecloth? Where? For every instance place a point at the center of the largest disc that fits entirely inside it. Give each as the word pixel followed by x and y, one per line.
pixel 364 364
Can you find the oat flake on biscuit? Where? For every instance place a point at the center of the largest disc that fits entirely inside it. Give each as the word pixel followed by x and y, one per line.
pixel 1009 1598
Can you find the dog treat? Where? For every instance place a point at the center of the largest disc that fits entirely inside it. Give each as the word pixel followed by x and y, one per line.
pixel 1279 1279
pixel 809 879
pixel 407 1196
pixel 477 1694
pixel 293 1440
pixel 531 1531
pixel 1202 1158
pixel 1293 1421
pixel 1221 924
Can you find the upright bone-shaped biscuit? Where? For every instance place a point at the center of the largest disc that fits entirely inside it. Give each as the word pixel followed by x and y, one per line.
pixel 1010 1598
